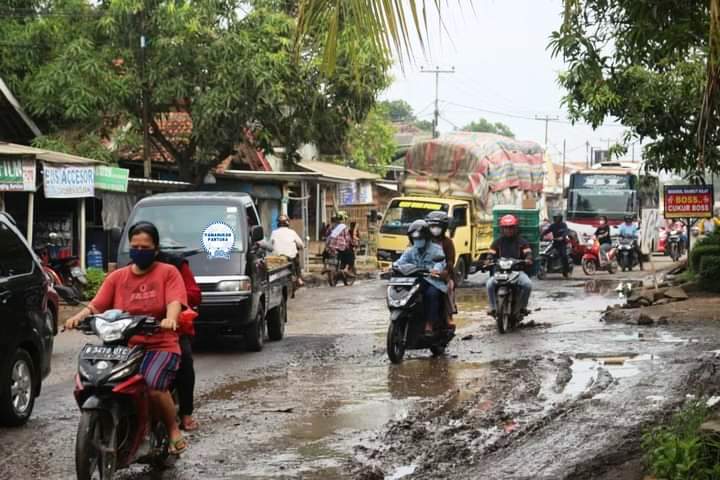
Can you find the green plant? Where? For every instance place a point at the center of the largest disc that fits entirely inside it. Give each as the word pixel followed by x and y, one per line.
pixel 710 272
pixel 95 277
pixel 678 451
pixel 700 251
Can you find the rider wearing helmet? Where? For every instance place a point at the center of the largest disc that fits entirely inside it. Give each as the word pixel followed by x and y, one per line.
pixel 628 229
pixel 425 254
pixel 439 223
pixel 560 232
pixel 510 245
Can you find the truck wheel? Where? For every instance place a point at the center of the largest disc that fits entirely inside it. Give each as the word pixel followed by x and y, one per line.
pixel 17 389
pixel 277 318
pixel 255 332
pixel 460 272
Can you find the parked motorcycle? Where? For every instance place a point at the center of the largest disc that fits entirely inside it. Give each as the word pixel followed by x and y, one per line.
pixel 65 271
pixel 407 316
pixel 674 245
pixel 594 261
pixel 549 260
pixel 331 267
pixel 627 254
pixel 116 425
pixel 508 310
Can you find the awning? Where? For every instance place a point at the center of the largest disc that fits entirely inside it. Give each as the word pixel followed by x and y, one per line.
pixel 277 177
pixel 337 172
pixel 49 156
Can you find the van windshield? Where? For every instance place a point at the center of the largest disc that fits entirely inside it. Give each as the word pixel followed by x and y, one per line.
pixel 181 226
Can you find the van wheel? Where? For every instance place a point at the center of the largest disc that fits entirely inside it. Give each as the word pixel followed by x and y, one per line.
pixel 17 389
pixel 277 318
pixel 255 333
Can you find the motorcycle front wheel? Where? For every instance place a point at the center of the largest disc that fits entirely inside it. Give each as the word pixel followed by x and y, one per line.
pixel 95 429
pixel 502 316
pixel 396 341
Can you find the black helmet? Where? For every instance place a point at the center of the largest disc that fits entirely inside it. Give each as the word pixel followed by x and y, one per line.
pixel 557 217
pixel 628 218
pixel 418 229
pixel 438 219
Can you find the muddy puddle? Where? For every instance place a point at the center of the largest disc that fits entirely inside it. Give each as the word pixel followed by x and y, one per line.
pixel 315 416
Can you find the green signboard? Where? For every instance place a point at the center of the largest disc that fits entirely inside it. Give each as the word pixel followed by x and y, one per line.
pixel 111 178
pixel 17 175
pixel 11 172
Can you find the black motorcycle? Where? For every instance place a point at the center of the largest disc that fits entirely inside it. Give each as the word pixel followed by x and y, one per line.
pixel 407 315
pixel 674 245
pixel 549 260
pixel 627 254
pixel 117 427
pixel 508 310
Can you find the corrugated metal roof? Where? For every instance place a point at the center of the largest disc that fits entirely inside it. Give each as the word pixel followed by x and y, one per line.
pixel 276 176
pixel 45 155
pixel 331 170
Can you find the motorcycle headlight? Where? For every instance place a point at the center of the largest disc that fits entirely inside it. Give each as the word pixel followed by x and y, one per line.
pixel 398 298
pixel 111 331
pixel 505 264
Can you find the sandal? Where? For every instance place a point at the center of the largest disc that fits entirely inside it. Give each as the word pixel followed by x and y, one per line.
pixel 190 426
pixel 177 446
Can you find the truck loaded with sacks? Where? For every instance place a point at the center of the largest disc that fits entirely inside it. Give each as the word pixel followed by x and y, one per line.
pixel 465 175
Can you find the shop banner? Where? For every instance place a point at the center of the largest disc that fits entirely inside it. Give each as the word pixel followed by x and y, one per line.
pixel 111 179
pixel 689 201
pixel 356 193
pixel 69 182
pixel 17 175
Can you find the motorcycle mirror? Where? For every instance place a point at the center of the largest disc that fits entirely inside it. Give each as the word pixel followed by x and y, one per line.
pixel 67 294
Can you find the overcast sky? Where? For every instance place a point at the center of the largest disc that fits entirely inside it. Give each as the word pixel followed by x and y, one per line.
pixel 502 64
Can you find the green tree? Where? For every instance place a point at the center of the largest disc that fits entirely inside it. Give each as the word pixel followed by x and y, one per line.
pixel 371 143
pixel 235 75
pixel 644 63
pixel 483 125
pixel 424 125
pixel 398 110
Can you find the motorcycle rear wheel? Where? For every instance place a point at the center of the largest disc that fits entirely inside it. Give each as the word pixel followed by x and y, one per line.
pixel 542 270
pixel 95 427
pixel 396 341
pixel 438 350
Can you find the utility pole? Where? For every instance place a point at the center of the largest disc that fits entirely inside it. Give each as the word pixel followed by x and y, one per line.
pixel 436 114
pixel 147 163
pixel 547 119
pixel 563 166
pixel 587 153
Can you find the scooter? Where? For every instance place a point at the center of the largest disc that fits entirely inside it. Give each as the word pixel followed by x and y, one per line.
pixel 407 315
pixel 674 245
pixel 508 311
pixel 116 426
pixel 549 260
pixel 594 261
pixel 627 255
pixel 64 271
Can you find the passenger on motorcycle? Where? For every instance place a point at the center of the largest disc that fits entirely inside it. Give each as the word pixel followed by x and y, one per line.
pixel 438 221
pixel 559 231
pixel 148 287
pixel 425 254
pixel 602 233
pixel 630 230
pixel 510 245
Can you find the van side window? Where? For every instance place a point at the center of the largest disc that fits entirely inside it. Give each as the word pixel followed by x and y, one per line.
pixel 252 217
pixel 459 216
pixel 15 259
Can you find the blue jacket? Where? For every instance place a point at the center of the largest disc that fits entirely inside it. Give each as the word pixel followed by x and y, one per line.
pixel 630 231
pixel 425 259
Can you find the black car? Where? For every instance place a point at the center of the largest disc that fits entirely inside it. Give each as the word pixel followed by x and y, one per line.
pixel 26 333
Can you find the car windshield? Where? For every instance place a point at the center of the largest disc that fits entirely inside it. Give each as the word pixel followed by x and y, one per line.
pixel 401 213
pixel 181 226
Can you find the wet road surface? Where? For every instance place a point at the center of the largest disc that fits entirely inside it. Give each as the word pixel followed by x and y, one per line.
pixel 564 397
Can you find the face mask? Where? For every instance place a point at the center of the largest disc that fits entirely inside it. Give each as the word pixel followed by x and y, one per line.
pixel 436 231
pixel 419 243
pixel 143 258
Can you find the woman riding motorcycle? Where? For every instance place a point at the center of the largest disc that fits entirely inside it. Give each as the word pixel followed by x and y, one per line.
pixel 439 222
pixel 602 233
pixel 148 287
pixel 425 254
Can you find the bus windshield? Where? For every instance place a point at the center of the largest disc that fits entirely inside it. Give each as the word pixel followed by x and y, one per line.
pixel 610 202
pixel 401 213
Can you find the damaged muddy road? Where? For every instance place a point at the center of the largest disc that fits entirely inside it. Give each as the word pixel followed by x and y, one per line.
pixel 567 396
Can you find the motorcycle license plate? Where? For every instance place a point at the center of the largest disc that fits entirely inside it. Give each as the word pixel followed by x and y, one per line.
pixel 674 239
pixel 101 352
pixel 76 272
pixel 502 277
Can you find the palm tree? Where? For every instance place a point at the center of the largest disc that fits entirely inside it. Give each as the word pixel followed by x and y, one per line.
pixel 388 24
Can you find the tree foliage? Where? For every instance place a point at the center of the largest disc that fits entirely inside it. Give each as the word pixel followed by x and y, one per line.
pixel 644 63
pixel 483 125
pixel 234 73
pixel 398 110
pixel 371 143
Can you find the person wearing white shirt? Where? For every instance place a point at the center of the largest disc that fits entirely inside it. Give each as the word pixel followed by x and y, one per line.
pixel 287 242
